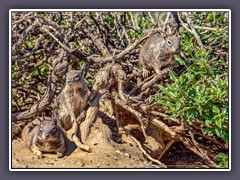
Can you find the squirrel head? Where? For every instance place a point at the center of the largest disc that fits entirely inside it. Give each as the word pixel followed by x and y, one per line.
pixel 171 43
pixel 74 79
pixel 163 45
pixel 48 129
pixel 171 38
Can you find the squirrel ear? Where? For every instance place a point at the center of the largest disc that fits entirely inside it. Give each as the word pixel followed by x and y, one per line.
pixel 168 29
pixel 164 35
pixel 42 118
pixel 174 32
pixel 54 122
pixel 180 29
pixel 54 117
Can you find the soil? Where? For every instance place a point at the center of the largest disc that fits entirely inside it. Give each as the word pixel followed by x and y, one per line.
pixel 107 151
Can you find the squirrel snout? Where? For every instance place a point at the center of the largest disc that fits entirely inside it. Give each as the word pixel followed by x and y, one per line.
pixel 69 82
pixel 45 136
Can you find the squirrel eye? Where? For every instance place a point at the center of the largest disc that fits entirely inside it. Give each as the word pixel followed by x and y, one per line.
pixel 169 42
pixel 40 127
pixel 76 76
pixel 54 129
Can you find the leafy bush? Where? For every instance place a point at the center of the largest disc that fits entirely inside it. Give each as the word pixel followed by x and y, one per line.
pixel 200 94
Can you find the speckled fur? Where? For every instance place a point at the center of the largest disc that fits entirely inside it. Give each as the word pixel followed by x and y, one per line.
pixel 157 52
pixel 45 137
pixel 72 100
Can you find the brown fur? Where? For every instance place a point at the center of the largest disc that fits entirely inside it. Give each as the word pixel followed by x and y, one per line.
pixel 72 100
pixel 44 137
pixel 158 51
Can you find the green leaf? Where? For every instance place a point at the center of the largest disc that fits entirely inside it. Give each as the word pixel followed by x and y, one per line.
pixel 165 91
pixel 215 109
pixel 172 76
pixel 225 136
pixel 181 79
pixel 29 44
pixel 217 131
pixel 192 93
pixel 37 52
pixel 222 159
pixel 179 60
pixel 89 80
pixel 219 123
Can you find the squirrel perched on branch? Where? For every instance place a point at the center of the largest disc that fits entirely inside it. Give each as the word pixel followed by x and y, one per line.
pixel 157 52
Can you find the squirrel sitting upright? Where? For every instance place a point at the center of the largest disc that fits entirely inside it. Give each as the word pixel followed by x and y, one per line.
pixel 157 52
pixel 72 100
pixel 45 137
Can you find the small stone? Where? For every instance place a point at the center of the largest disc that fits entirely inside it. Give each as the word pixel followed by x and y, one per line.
pixel 128 155
pixel 115 158
pixel 98 165
pixel 117 151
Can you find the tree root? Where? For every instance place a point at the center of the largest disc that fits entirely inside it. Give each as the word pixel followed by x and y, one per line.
pixel 144 152
pixel 186 141
pixel 77 140
pixel 143 121
pixel 169 144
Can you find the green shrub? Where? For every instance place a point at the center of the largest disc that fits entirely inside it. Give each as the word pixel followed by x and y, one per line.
pixel 200 94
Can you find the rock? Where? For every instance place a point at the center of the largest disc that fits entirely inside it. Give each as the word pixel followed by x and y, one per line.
pixel 128 155
pixel 115 158
pixel 117 151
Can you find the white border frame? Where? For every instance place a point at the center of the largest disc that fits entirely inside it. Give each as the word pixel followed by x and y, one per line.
pixel 115 10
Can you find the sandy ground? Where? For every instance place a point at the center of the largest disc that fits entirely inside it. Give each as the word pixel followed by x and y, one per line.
pixel 107 152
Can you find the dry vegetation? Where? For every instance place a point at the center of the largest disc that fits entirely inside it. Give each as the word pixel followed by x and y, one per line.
pixel 187 107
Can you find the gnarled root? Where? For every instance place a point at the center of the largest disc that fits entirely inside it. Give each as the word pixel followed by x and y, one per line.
pixel 77 140
pixel 144 151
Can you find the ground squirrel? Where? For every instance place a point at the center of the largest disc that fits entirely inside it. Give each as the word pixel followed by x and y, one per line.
pixel 72 100
pixel 157 52
pixel 45 137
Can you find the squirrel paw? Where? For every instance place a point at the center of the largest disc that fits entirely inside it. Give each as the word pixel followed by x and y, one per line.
pixel 38 153
pixel 59 154
pixel 145 73
pixel 40 156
